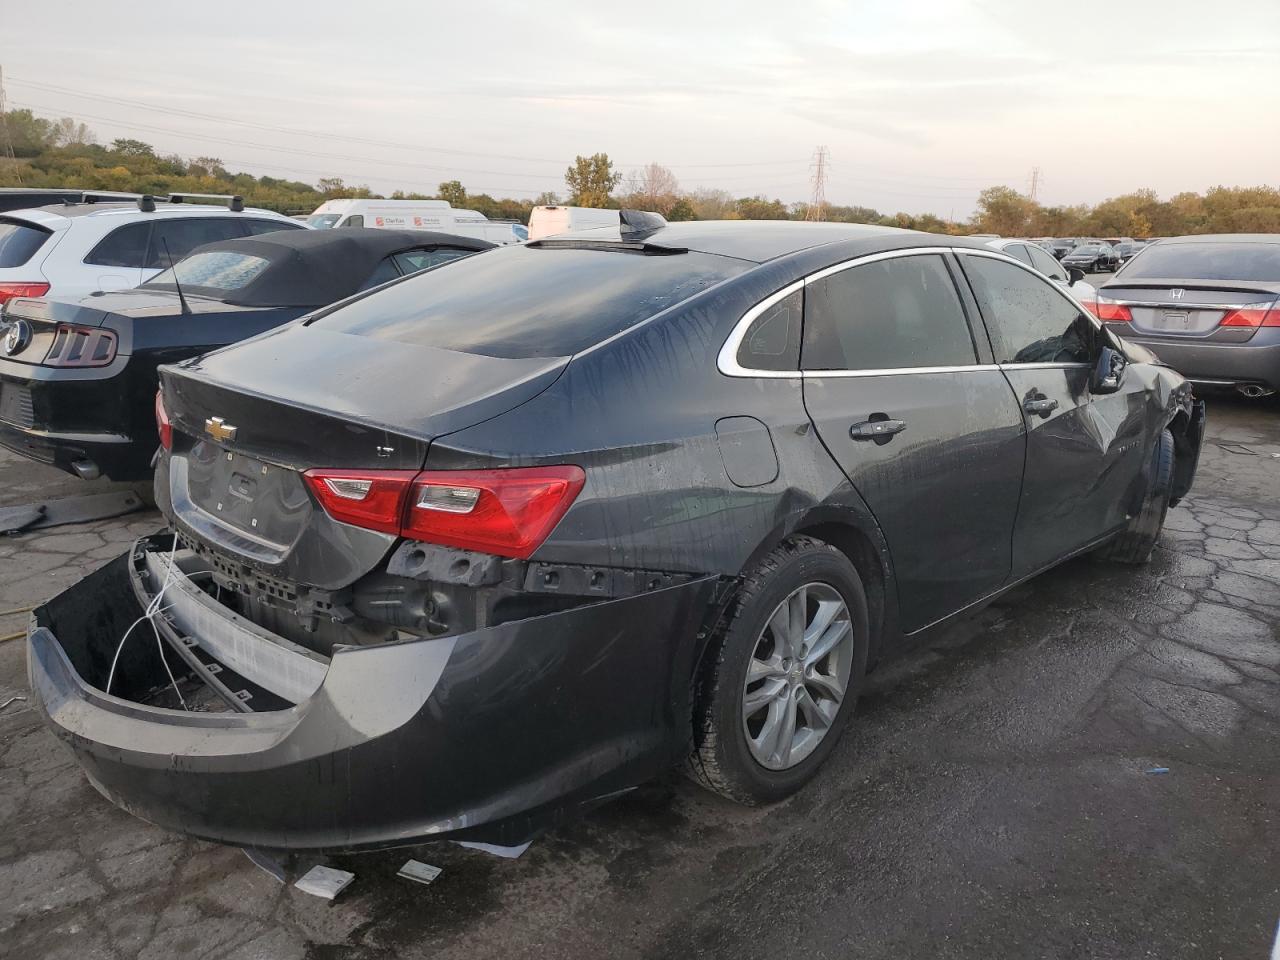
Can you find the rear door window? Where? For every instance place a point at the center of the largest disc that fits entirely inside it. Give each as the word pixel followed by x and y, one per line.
pixel 1020 251
pixel 902 312
pixel 1029 319
pixel 550 300
pixel 1048 265
pixel 19 241
pixel 176 238
pixel 123 247
pixel 255 227
pixel 384 272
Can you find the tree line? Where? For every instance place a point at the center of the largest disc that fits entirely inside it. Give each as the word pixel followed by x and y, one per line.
pixel 65 153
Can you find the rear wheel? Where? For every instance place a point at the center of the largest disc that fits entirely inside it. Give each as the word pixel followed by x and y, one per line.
pixel 1135 543
pixel 782 674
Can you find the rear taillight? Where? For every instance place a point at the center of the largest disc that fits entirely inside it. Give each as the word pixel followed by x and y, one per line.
pixel 11 291
pixel 373 499
pixel 507 512
pixel 81 347
pixel 163 426
pixel 1108 311
pixel 1253 317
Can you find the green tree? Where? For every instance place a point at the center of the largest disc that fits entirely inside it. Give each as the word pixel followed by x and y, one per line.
pixel 132 148
pixel 454 192
pixel 1004 211
pixel 682 209
pixel 28 134
pixel 761 208
pixel 591 181
pixel 548 198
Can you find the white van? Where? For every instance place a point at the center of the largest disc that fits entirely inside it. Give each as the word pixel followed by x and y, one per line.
pixel 413 215
pixel 548 221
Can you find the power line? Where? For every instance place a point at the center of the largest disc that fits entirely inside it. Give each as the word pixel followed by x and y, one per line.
pixel 1035 184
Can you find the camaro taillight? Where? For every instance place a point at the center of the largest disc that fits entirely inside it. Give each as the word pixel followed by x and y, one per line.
pixel 508 512
pixel 163 426
pixel 81 347
pixel 1254 317
pixel 11 291
pixel 1108 311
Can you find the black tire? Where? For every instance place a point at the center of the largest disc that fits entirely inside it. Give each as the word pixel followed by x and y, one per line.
pixel 721 760
pixel 1135 543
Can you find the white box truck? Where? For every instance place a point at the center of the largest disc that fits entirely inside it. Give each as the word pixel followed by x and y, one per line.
pixel 548 221
pixel 414 215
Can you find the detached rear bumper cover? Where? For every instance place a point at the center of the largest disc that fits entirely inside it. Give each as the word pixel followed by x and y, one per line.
pixel 490 735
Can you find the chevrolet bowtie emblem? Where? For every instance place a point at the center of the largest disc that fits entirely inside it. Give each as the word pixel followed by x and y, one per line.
pixel 219 429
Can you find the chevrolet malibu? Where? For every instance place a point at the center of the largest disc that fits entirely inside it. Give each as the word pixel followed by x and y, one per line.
pixel 490 545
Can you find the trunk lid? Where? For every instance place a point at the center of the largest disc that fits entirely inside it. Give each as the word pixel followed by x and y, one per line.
pixel 1179 309
pixel 249 419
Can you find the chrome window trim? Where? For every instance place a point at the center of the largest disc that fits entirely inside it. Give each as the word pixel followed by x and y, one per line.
pixel 889 371
pixel 727 359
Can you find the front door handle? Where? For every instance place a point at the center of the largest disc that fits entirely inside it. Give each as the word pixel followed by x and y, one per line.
pixel 881 431
pixel 1040 405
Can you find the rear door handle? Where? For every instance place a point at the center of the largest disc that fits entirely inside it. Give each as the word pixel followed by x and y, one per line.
pixel 1040 405
pixel 881 431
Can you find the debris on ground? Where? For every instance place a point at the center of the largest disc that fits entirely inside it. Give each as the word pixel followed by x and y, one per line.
pixel 54 513
pixel 12 700
pixel 509 853
pixel 1158 770
pixel 419 871
pixel 266 863
pixel 324 882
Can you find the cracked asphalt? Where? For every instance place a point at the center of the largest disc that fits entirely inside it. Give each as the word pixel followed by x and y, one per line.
pixel 994 797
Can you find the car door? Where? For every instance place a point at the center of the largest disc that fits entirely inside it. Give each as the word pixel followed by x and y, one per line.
pixel 1083 451
pixel 921 422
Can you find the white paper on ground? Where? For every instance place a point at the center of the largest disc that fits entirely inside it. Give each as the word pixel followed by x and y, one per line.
pixel 417 870
pixel 324 882
pixel 509 853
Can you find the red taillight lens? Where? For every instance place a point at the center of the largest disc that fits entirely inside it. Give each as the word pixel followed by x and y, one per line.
pixel 373 499
pixel 1108 311
pixel 507 512
pixel 1254 317
pixel 163 426
pixel 10 291
pixel 81 347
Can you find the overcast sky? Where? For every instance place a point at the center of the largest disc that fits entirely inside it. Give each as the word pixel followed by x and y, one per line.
pixel 919 104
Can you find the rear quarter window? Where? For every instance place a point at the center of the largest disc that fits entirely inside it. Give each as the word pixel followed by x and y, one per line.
pixel 19 241
pixel 1257 262
pixel 543 301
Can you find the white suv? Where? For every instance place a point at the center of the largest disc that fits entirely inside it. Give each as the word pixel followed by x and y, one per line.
pixel 71 250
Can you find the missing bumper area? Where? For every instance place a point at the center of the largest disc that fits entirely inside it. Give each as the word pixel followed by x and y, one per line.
pixel 219 660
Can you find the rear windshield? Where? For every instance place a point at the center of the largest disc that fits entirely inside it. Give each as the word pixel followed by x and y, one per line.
pixel 216 271
pixel 547 301
pixel 1207 261
pixel 19 241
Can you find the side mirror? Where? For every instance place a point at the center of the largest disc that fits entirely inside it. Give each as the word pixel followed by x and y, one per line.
pixel 1074 275
pixel 1108 371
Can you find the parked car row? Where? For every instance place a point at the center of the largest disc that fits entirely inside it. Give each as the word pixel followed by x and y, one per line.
pixel 486 545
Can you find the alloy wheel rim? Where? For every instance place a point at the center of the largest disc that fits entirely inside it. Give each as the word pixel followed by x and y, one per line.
pixel 797 677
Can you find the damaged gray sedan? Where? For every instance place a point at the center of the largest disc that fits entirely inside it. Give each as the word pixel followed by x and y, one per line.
pixel 497 542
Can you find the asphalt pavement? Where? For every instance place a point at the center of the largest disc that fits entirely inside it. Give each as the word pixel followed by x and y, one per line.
pixel 1087 768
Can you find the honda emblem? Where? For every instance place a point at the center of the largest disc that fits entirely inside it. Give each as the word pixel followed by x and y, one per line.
pixel 1176 294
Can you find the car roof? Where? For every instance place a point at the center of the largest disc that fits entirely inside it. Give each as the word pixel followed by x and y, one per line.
pixel 74 210
pixel 761 240
pixel 312 268
pixel 1226 238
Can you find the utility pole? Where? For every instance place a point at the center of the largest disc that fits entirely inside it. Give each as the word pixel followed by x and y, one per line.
pixel 1035 183
pixel 818 202
pixel 7 153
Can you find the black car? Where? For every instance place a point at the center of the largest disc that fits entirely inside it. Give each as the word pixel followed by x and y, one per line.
pixel 1061 247
pixel 1092 256
pixel 78 380
pixel 501 541
pixel 1126 250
